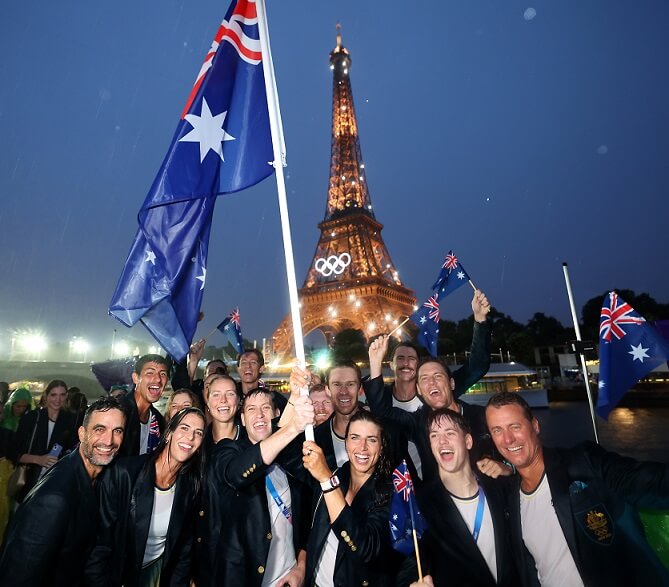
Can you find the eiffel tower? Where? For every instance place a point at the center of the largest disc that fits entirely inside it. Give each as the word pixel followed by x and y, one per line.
pixel 352 282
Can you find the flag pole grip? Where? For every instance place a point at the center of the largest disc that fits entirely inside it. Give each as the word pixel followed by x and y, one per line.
pixel 584 368
pixel 278 163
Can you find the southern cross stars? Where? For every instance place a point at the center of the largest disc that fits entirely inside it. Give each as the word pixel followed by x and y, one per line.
pixel 150 257
pixel 208 131
pixel 638 353
pixel 202 277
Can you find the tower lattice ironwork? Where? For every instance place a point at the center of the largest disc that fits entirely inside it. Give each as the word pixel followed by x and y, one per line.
pixel 352 281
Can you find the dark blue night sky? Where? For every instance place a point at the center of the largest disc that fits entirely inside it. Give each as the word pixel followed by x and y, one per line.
pixel 518 134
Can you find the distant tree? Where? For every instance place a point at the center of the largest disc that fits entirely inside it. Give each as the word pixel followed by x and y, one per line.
pixel 350 344
pixel 546 330
pixel 521 345
pixel 503 327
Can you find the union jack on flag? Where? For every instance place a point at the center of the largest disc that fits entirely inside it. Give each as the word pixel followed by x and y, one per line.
pixel 613 316
pixel 405 517
pixel 451 277
pixel 626 355
pixel 433 305
pixel 232 330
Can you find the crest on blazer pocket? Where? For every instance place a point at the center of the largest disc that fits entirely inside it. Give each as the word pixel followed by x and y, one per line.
pixel 597 524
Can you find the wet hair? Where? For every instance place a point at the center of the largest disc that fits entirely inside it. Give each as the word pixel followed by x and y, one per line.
pixel 222 370
pixel 256 352
pixel 193 467
pixel 439 415
pixel 53 384
pixel 340 364
pixel 257 391
pixel 193 398
pixel 383 465
pixel 426 360
pixel 220 377
pixel 104 405
pixel 509 398
pixel 408 344
pixel 143 360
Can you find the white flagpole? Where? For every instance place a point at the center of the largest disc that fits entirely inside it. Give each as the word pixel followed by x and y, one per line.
pixel 278 146
pixel 580 354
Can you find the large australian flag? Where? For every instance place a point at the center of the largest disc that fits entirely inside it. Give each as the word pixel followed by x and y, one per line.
pixel 222 144
pixel 629 348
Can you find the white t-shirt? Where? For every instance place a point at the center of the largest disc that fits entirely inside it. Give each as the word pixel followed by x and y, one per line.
pixel 163 499
pixel 281 556
pixel 339 444
pixel 486 541
pixel 545 540
pixel 326 564
pixel 411 406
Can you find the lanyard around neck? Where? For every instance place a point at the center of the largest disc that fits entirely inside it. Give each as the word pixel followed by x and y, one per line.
pixel 285 510
pixel 478 520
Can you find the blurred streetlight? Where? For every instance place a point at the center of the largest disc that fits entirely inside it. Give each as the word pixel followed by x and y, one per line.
pixel 79 348
pixel 32 343
pixel 121 349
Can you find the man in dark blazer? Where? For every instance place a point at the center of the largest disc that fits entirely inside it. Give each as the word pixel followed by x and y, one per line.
pixel 54 529
pixel 573 511
pixel 145 423
pixel 262 542
pixel 466 542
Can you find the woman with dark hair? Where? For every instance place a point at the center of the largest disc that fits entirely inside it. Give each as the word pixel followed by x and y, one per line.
pixel 223 403
pixel 44 435
pixel 146 510
pixel 349 543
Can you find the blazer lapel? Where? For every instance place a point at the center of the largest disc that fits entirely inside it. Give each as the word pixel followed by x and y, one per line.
pixel 141 508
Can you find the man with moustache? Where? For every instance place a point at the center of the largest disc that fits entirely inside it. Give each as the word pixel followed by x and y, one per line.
pixel 402 393
pixel 574 517
pixel 263 542
pixel 145 423
pixel 54 529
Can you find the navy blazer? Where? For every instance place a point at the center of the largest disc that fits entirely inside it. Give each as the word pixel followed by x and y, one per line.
pixel 451 555
pixel 126 504
pixel 51 534
pixel 364 554
pixel 595 495
pixel 245 538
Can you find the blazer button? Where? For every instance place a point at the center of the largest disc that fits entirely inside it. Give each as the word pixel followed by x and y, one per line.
pixel 261 569
pixel 354 547
pixel 269 536
pixel 344 533
pixel 365 583
pixel 202 513
pixel 199 539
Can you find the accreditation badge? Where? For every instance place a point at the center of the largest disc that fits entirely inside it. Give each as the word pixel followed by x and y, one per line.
pixel 597 524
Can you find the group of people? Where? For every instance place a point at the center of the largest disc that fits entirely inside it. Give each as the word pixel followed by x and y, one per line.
pixel 227 490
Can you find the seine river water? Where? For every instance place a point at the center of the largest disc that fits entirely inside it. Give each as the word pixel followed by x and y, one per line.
pixel 642 433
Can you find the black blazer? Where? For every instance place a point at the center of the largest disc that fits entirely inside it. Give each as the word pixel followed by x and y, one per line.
pixel 52 533
pixel 588 483
pixel 364 555
pixel 130 446
pixel 450 553
pixel 246 535
pixel 64 433
pixel 213 510
pixel 126 503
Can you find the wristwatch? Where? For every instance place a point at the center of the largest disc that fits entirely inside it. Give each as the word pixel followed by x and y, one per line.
pixel 331 484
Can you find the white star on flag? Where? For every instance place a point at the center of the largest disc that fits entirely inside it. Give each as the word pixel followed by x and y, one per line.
pixel 395 517
pixel 638 352
pixel 423 319
pixel 150 257
pixel 461 275
pixel 601 384
pixel 208 131
pixel 202 277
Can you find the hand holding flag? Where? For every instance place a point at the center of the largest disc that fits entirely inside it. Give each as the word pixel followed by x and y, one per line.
pixel 629 349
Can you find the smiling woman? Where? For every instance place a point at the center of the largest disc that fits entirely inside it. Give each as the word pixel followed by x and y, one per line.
pixel 147 504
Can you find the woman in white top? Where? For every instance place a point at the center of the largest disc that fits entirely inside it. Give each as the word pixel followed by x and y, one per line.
pixel 146 509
